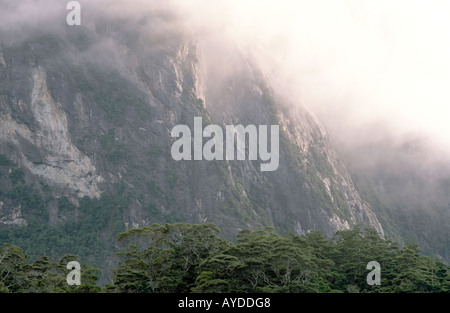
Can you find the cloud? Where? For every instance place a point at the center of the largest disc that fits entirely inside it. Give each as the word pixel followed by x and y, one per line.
pixel 355 63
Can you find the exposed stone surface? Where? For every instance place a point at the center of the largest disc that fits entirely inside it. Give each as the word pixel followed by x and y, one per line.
pixel 60 121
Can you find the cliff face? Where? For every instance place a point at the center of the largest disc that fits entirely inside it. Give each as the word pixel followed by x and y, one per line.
pixel 87 108
pixel 42 144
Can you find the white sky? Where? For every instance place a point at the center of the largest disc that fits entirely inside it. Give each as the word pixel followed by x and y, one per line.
pixel 358 61
pixel 351 61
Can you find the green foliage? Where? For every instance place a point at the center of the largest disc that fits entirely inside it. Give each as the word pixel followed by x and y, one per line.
pixel 44 275
pixel 113 150
pixel 108 88
pixel 114 94
pixel 154 152
pixel 190 258
pixel 17 176
pixel 321 162
pixel 262 261
pixel 410 207
pixel 5 161
pixel 83 234
pixel 64 205
pixel 187 258
pixel 31 201
pixel 164 258
pixel 172 178
pixel 153 188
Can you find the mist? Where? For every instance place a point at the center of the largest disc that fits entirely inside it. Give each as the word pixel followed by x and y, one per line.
pixel 378 68
pixel 370 70
pixel 374 72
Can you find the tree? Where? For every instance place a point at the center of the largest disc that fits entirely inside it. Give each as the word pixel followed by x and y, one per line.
pixel 262 261
pixel 164 258
pixel 417 273
pixel 43 275
pixel 12 261
pixel 355 248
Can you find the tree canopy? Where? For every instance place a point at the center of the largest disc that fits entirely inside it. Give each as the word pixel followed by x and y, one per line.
pixel 185 258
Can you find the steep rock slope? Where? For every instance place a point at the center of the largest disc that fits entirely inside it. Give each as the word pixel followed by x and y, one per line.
pixel 87 111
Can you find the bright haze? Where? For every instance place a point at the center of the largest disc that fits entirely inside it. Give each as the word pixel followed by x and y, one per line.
pixel 367 68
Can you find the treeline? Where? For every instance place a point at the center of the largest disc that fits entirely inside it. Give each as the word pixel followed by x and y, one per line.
pixel 183 258
pixel 44 275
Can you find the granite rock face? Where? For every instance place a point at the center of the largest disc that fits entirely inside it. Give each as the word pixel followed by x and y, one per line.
pixel 82 109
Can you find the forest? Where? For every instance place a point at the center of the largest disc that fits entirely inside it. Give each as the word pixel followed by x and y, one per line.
pixel 193 258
